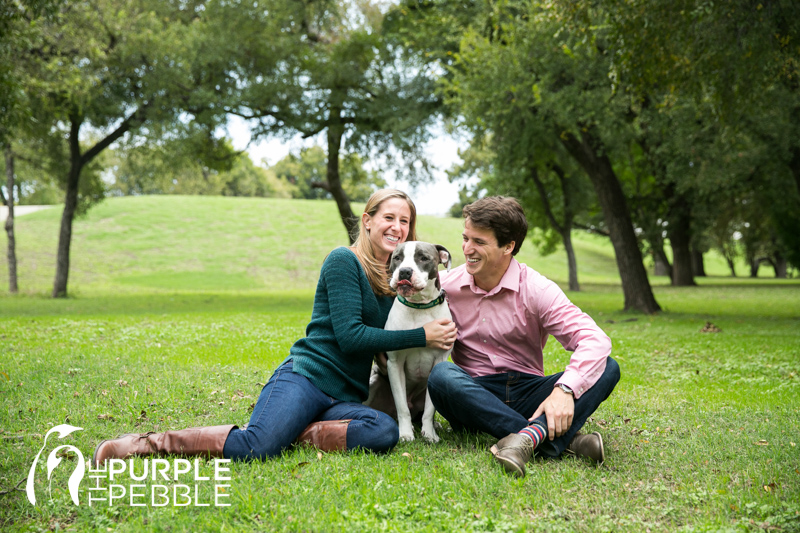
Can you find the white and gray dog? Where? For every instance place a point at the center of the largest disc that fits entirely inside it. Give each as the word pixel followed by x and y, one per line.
pixel 420 299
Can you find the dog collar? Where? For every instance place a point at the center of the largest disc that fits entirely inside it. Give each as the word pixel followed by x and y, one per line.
pixel 433 303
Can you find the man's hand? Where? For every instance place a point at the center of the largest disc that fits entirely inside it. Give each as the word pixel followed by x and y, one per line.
pixel 559 408
pixel 381 360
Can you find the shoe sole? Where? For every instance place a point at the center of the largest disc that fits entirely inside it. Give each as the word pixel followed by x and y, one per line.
pixel 510 466
pixel 602 448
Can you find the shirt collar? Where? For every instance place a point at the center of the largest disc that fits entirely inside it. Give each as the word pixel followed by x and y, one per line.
pixel 510 280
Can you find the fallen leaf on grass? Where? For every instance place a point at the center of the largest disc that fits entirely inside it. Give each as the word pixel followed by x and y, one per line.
pixel 319 456
pixel 410 457
pixel 761 442
pixel 768 488
pixel 105 417
pixel 122 383
pixel 66 454
pixel 104 392
pixel 792 444
pixel 5 376
pixel 710 328
pixel 143 415
pixel 626 420
pixel 298 466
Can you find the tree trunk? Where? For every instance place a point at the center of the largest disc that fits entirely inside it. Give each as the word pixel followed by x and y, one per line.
pixel 70 206
pixel 661 266
pixel 681 258
pixel 12 246
pixel 680 237
pixel 754 264
pixel 566 237
pixel 565 230
pixel 588 152
pixel 698 265
pixel 334 185
pixel 76 163
pixel 779 265
pixel 731 265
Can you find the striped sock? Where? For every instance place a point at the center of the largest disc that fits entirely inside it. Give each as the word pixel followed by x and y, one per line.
pixel 535 432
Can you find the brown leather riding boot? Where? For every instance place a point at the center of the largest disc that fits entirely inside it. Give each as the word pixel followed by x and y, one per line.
pixel 192 442
pixel 328 436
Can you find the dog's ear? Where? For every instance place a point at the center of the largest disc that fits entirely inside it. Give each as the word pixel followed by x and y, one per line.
pixel 444 256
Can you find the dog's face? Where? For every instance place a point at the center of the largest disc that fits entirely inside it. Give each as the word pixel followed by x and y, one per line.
pixel 415 265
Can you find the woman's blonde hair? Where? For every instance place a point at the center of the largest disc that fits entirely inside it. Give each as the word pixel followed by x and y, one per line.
pixel 377 272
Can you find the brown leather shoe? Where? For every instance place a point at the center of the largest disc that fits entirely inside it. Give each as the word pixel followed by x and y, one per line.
pixel 191 442
pixel 328 436
pixel 590 446
pixel 513 452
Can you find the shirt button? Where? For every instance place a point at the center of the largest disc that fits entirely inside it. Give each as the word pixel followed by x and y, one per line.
pixel 484 320
pixel 484 341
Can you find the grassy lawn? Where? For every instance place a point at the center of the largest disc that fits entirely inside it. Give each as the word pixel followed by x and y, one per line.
pixel 181 308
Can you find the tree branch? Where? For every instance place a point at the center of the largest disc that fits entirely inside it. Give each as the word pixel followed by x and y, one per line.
pixel 133 118
pixel 592 229
pixel 534 176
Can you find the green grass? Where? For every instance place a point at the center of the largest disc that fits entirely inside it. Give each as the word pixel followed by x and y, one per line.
pixel 180 309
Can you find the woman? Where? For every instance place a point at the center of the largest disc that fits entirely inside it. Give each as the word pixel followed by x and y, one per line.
pixel 315 395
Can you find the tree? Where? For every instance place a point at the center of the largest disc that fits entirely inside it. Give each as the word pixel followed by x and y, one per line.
pixel 534 85
pixel 347 78
pixel 9 225
pixel 13 110
pixel 97 73
pixel 737 59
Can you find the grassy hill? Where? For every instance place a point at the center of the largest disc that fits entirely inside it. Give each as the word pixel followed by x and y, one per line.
pixel 190 243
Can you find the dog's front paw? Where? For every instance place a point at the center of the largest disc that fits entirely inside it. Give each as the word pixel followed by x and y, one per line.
pixel 430 435
pixel 406 437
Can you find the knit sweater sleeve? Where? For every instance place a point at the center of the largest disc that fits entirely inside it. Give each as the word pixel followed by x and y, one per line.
pixel 342 275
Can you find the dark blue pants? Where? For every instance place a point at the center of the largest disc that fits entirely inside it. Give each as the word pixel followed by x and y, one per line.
pixel 288 403
pixel 502 403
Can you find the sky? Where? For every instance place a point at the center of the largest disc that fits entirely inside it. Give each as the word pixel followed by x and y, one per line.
pixel 431 199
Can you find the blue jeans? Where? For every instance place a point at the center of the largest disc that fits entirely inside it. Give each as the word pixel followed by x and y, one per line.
pixel 500 404
pixel 288 403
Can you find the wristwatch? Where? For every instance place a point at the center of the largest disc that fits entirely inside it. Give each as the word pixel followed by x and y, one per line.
pixel 564 388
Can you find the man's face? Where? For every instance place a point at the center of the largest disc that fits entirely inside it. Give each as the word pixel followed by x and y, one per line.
pixel 485 259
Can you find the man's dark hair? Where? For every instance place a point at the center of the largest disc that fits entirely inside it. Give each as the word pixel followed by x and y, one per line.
pixel 501 214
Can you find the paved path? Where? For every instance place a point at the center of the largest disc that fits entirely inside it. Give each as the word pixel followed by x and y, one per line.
pixel 21 210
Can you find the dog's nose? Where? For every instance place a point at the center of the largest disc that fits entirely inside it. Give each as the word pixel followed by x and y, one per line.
pixel 405 273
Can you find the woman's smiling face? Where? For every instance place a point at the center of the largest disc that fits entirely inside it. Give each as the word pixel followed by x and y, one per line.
pixel 388 227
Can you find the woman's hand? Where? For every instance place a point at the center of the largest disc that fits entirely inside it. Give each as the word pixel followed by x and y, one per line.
pixel 440 333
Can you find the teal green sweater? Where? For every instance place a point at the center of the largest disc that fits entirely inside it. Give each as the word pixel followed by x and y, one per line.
pixel 346 330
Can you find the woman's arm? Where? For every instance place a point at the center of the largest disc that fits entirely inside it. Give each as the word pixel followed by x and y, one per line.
pixel 341 274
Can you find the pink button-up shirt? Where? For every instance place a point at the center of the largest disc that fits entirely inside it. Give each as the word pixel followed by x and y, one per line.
pixel 506 329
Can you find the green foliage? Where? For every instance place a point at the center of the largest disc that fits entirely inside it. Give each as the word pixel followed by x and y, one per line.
pixel 192 163
pixel 309 167
pixel 723 79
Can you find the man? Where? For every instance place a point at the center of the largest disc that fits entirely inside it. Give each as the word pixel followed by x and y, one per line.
pixel 504 312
